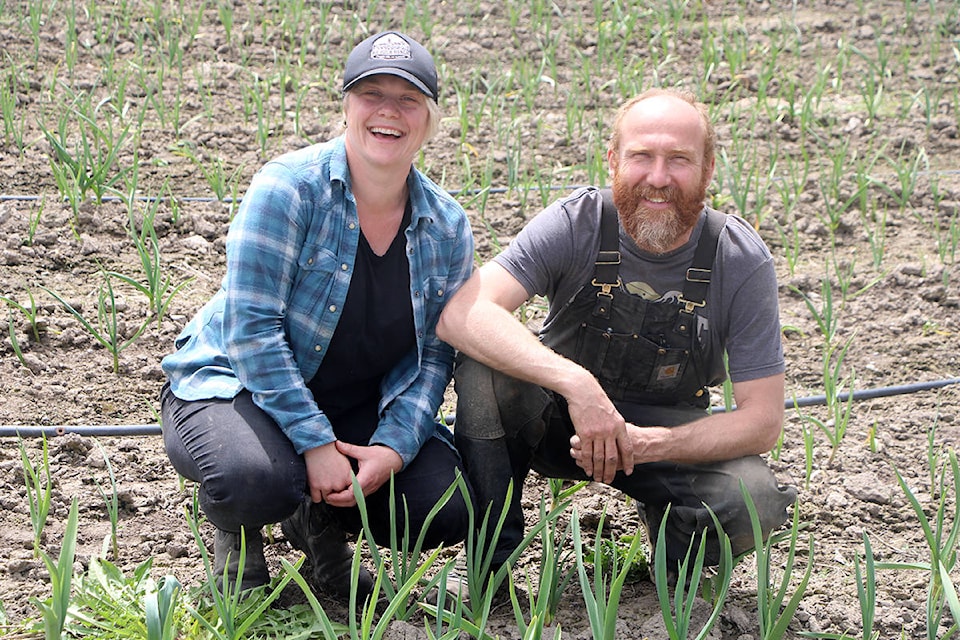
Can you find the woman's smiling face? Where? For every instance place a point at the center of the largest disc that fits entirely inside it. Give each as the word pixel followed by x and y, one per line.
pixel 387 120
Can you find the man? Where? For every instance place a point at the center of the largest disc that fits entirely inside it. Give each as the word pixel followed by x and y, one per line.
pixel 642 308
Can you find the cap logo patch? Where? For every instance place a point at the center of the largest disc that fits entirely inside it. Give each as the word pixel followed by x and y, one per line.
pixel 390 47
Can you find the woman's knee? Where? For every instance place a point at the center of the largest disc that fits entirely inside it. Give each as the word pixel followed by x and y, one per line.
pixel 252 493
pixel 451 524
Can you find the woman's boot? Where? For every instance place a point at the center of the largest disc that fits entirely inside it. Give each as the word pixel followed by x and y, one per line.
pixel 314 530
pixel 226 555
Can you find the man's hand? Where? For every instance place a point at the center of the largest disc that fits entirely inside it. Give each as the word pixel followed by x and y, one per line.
pixel 603 445
pixel 750 430
pixel 374 466
pixel 645 442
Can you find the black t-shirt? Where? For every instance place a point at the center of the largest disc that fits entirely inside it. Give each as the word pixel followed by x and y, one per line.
pixel 375 331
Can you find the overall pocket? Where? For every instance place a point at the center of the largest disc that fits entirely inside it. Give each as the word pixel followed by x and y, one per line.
pixel 627 364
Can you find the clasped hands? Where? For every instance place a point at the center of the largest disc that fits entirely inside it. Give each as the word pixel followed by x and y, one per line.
pixel 602 444
pixel 330 468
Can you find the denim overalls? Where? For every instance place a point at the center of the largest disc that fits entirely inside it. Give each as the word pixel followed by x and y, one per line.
pixel 651 364
pixel 642 352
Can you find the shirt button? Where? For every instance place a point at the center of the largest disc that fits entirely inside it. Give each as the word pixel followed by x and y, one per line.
pixel 440 292
pixel 333 308
pixel 309 260
pixel 352 225
pixel 318 348
pixel 343 267
pixel 416 294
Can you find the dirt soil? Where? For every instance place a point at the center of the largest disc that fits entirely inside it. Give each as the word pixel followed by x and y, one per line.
pixel 903 329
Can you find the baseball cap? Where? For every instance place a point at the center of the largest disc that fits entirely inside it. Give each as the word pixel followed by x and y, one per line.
pixel 396 54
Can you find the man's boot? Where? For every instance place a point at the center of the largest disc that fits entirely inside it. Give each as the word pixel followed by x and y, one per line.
pixel 651 517
pixel 313 530
pixel 226 555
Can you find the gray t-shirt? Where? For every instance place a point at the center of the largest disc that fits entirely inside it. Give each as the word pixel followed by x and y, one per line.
pixel 553 256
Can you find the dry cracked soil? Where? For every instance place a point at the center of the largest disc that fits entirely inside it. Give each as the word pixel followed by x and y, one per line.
pixel 899 317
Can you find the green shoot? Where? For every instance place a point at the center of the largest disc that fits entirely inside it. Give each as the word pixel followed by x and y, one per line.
pixel 775 612
pixel 39 487
pixel 112 503
pixel 602 602
pixel 56 609
pixel 106 329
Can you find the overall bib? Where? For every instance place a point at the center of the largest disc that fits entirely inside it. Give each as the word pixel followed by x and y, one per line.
pixel 642 352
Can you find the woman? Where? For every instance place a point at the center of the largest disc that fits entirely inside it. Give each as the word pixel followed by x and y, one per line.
pixel 318 358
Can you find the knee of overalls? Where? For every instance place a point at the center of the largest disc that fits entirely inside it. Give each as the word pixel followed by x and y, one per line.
pixel 491 404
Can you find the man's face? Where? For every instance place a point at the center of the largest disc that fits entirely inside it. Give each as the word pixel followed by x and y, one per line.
pixel 659 173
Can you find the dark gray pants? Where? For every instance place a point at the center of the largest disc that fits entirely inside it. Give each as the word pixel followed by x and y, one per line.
pixel 250 474
pixel 506 427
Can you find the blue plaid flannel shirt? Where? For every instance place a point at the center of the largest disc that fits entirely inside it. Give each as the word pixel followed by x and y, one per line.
pixel 290 256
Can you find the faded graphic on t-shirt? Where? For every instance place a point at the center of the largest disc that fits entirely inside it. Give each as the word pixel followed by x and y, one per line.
pixel 648 293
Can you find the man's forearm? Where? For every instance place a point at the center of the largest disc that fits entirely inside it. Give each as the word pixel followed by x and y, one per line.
pixel 721 436
pixel 491 334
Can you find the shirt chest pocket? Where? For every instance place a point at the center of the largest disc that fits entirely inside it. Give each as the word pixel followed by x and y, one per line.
pixel 318 267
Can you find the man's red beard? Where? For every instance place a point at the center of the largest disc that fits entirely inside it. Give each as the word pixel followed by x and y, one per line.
pixel 656 231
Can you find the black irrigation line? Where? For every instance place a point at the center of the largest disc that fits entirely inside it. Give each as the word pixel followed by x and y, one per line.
pixel 27 431
pixel 864 394
pixel 453 192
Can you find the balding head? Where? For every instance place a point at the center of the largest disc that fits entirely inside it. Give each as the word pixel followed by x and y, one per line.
pixel 665 98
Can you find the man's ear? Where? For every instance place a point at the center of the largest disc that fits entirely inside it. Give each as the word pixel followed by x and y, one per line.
pixel 708 171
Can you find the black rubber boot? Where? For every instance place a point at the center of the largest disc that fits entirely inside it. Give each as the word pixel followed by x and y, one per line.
pixel 313 530
pixel 489 471
pixel 651 517
pixel 226 555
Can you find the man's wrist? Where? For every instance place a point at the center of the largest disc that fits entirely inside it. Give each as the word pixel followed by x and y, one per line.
pixel 579 384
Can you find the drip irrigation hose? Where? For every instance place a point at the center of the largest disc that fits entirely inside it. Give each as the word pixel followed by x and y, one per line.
pixel 863 394
pixel 26 431
pixel 33 431
pixel 16 197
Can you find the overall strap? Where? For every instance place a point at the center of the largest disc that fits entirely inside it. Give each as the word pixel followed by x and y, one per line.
pixel 694 294
pixel 606 274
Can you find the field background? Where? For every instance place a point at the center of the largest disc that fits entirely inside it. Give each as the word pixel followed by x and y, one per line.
pixel 130 130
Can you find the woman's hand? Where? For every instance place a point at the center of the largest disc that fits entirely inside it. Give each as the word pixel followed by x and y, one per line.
pixel 374 466
pixel 328 472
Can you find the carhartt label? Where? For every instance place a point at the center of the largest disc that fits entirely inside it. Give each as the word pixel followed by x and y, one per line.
pixel 667 372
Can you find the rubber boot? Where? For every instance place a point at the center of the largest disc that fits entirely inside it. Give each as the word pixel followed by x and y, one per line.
pixel 651 517
pixel 226 555
pixel 490 470
pixel 313 530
